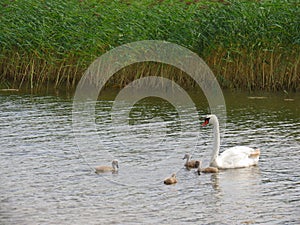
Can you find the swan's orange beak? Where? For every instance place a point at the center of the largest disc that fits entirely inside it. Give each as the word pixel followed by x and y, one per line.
pixel 206 121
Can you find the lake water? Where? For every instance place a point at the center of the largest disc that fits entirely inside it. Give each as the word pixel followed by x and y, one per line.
pixel 47 179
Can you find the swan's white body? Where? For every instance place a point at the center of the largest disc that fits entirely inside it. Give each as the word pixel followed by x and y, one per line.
pixel 236 157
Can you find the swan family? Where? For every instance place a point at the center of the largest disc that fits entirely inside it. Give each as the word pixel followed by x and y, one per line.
pixel 235 157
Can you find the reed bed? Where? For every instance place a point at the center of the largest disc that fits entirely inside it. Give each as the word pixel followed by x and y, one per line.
pixel 250 45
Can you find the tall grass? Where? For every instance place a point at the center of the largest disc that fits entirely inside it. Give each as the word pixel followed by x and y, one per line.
pixel 251 45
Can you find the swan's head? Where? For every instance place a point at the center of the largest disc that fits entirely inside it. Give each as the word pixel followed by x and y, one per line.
pixel 187 156
pixel 210 119
pixel 115 164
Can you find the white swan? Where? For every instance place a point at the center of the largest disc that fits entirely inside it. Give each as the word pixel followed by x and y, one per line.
pixel 236 157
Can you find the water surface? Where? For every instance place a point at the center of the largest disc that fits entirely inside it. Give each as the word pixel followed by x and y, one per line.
pixel 47 179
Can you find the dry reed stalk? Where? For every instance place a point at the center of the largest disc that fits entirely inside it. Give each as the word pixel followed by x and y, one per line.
pixel 252 70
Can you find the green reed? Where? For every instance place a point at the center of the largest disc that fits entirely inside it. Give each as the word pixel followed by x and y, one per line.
pixel 251 45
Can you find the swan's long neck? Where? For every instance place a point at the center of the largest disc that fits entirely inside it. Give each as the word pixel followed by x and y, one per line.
pixel 216 144
pixel 187 159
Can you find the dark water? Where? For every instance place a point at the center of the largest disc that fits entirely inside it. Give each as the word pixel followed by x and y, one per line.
pixel 47 179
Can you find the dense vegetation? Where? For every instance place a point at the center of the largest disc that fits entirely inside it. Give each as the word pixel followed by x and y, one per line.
pixel 253 45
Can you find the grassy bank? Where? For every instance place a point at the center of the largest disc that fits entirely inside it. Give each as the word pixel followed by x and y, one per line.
pixel 251 45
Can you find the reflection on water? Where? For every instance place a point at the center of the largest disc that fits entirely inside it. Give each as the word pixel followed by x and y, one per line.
pixel 46 180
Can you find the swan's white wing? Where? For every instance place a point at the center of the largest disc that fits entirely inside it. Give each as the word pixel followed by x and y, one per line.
pixel 236 157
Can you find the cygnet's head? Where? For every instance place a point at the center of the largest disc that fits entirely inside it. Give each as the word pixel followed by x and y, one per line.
pixel 115 164
pixel 187 156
